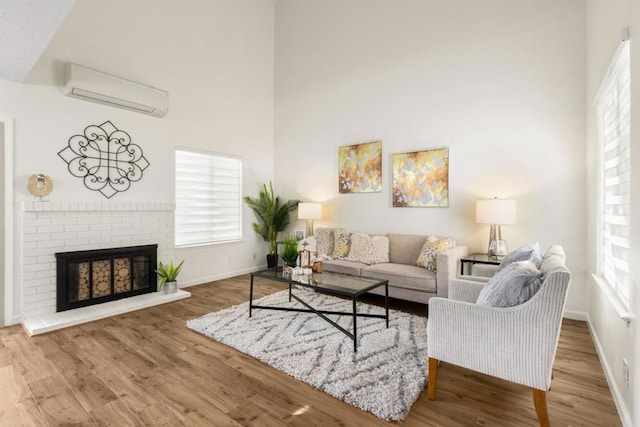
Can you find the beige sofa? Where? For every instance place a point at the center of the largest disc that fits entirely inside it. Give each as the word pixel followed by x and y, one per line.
pixel 407 280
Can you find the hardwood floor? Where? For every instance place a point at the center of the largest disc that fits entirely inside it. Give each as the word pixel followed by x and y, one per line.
pixel 147 368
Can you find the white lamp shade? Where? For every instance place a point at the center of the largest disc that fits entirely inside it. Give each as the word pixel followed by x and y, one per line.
pixel 496 211
pixel 309 211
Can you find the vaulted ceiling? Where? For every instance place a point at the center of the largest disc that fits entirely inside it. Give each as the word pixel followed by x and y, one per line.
pixel 26 28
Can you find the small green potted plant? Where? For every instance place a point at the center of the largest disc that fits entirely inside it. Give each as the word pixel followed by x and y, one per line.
pixel 168 276
pixel 289 251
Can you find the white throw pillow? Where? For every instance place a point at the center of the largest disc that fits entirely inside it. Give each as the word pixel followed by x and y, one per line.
pixel 369 249
pixel 311 245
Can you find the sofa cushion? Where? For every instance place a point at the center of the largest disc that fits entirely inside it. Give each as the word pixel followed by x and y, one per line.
pixel 343 266
pixel 369 249
pixel 529 252
pixel 513 285
pixel 325 240
pixel 403 276
pixel 430 250
pixel 405 248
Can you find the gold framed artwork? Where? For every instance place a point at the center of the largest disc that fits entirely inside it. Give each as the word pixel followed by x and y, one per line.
pixel 421 179
pixel 360 168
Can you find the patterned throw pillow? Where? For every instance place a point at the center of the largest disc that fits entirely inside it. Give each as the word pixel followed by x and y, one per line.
pixel 325 241
pixel 513 285
pixel 341 244
pixel 430 250
pixel 369 249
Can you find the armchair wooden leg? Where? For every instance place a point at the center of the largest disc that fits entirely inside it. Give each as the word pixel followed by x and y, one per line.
pixel 433 373
pixel 540 402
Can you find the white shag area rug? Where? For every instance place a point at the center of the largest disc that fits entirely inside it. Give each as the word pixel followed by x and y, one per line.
pixel 385 376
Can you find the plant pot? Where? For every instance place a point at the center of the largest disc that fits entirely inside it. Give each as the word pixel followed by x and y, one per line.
pixel 289 263
pixel 272 260
pixel 170 287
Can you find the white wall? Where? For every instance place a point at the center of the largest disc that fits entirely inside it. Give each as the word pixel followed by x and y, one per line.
pixel 215 58
pixel 2 225
pixel 615 339
pixel 499 82
pixel 635 231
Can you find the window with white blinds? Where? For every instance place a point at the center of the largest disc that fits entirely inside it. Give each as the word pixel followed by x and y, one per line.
pixel 208 198
pixel 613 109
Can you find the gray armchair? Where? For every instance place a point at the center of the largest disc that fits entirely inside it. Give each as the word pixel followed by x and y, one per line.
pixel 516 343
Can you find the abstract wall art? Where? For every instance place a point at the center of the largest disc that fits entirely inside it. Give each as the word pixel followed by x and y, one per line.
pixel 104 158
pixel 421 179
pixel 360 168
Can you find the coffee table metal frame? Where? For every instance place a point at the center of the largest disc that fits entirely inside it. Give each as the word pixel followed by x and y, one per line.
pixel 312 282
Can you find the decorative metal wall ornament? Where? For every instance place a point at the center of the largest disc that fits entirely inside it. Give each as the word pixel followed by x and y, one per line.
pixel 105 157
pixel 40 185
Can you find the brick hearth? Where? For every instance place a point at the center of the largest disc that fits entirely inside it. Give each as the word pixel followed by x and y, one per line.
pixel 50 227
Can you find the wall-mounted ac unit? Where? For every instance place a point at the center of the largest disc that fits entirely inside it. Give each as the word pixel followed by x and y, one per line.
pixel 95 86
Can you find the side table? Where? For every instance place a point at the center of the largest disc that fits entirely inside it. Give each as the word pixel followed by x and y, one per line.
pixel 477 259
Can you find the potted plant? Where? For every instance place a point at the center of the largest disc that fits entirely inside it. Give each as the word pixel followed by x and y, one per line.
pixel 290 251
pixel 273 217
pixel 168 276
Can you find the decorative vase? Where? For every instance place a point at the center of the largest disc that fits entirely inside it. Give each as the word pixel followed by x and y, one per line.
pixel 272 260
pixel 170 287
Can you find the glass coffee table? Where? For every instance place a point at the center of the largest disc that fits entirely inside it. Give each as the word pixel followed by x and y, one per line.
pixel 341 285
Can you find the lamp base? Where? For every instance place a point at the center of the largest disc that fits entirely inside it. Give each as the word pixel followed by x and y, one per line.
pixel 309 230
pixel 497 247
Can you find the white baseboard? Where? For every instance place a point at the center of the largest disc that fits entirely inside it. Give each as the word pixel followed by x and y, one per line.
pixel 222 276
pixel 575 315
pixel 623 412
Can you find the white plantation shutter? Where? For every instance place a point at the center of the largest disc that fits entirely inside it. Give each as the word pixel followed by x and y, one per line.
pixel 613 108
pixel 208 198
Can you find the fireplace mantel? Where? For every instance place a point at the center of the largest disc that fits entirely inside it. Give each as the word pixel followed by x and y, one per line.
pixel 84 206
pixel 50 227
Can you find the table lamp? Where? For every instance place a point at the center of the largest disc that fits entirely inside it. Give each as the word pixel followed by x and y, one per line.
pixel 309 211
pixel 496 212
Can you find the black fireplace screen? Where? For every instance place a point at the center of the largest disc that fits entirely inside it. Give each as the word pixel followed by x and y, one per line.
pixel 97 276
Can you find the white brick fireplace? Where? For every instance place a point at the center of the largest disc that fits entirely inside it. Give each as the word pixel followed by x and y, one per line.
pixel 50 227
